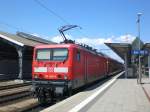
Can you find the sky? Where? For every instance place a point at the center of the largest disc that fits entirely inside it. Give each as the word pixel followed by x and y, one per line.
pixel 101 20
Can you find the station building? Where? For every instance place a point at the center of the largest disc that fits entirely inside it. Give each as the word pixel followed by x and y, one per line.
pixel 131 54
pixel 16 51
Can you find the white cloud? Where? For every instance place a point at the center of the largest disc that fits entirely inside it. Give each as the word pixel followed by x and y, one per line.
pixel 35 34
pixel 59 39
pixel 126 38
pixel 94 41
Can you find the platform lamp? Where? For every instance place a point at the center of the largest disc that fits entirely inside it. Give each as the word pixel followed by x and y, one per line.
pixel 139 78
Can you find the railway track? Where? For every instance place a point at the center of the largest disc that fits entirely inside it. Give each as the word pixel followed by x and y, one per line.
pixel 14 93
pixel 20 106
pixel 16 97
pixel 12 84
pixel 11 90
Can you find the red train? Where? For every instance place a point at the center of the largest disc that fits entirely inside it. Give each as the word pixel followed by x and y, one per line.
pixel 60 68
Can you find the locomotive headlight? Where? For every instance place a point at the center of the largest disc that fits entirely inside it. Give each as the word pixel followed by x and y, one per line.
pixel 65 76
pixel 35 76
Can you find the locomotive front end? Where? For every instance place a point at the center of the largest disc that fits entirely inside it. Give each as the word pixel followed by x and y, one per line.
pixel 51 73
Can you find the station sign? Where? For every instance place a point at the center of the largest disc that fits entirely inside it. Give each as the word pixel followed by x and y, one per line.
pixel 139 52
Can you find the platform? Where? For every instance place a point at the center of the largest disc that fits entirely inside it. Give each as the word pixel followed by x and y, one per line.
pixel 124 96
pixel 121 95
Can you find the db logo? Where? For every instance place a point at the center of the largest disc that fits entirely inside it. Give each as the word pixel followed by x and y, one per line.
pixel 50 69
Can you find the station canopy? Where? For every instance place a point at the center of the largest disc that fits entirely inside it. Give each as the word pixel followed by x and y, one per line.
pixel 16 52
pixel 23 39
pixel 119 48
pixel 122 49
pixel 11 43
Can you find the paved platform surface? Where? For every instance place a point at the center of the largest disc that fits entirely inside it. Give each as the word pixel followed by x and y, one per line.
pixel 124 95
pixel 146 85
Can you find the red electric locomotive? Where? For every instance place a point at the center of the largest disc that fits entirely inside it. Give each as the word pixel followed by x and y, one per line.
pixel 57 69
pixel 60 68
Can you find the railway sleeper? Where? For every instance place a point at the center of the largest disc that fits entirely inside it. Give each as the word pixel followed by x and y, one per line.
pixel 14 97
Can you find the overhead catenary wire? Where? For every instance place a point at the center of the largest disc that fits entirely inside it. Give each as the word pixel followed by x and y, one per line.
pixel 57 15
pixel 10 26
pixel 51 11
pixel 14 27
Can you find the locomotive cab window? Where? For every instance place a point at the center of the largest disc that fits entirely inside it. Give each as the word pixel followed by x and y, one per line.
pixel 43 54
pixel 78 56
pixel 53 54
pixel 60 54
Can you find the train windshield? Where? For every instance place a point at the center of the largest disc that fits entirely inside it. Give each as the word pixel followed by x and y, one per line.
pixel 53 54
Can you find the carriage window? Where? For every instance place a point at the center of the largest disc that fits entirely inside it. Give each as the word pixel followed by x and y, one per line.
pixel 43 54
pixel 78 56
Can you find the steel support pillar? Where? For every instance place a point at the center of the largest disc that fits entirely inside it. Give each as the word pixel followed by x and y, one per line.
pixel 20 61
pixel 126 65
pixel 149 65
pixel 140 73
